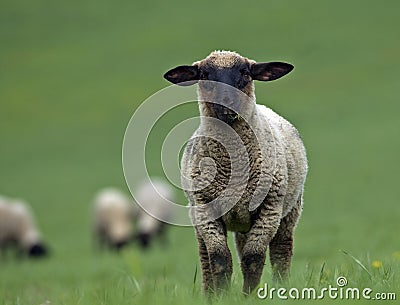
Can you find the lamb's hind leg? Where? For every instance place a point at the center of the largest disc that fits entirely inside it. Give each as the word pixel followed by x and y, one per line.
pixel 281 246
pixel 240 240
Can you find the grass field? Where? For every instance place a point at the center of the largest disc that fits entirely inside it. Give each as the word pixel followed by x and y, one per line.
pixel 73 72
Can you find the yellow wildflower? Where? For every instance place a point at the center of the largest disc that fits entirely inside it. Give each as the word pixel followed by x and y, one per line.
pixel 377 264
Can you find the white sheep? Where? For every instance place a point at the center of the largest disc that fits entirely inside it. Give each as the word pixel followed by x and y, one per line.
pixel 113 217
pixel 153 196
pixel 18 229
pixel 243 170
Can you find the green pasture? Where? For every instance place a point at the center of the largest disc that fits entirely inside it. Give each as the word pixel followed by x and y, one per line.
pixel 73 72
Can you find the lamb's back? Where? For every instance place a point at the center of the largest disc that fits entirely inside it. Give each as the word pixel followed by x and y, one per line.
pixel 290 145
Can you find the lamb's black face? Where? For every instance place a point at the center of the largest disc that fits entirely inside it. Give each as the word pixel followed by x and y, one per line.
pixel 218 84
pixel 237 76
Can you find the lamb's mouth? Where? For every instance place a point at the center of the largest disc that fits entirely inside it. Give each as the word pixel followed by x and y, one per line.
pixel 225 114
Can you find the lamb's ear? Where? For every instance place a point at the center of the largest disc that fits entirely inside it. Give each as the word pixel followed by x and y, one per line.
pixel 183 75
pixel 266 71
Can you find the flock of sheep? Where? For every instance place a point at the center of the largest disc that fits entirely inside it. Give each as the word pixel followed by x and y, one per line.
pixel 117 221
pixel 247 178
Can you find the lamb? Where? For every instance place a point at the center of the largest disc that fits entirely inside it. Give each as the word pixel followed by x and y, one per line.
pixel 243 170
pixel 113 217
pixel 18 229
pixel 154 197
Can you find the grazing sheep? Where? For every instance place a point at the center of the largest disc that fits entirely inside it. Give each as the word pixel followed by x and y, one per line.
pixel 113 216
pixel 154 197
pixel 252 152
pixel 18 229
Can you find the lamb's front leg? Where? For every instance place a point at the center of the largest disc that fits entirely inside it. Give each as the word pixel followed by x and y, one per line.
pixel 213 236
pixel 208 282
pixel 254 250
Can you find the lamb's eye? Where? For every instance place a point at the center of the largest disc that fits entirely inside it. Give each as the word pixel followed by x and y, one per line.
pixel 246 74
pixel 205 83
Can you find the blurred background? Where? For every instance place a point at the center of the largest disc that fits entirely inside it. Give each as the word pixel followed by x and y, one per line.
pixel 73 72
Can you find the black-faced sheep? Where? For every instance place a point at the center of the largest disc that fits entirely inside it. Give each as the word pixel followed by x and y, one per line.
pixel 153 196
pixel 243 170
pixel 18 229
pixel 113 217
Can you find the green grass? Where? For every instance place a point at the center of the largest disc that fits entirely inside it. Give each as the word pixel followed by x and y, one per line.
pixel 72 74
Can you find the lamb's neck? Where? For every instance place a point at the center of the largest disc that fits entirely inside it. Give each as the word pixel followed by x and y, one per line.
pixel 247 119
pixel 238 138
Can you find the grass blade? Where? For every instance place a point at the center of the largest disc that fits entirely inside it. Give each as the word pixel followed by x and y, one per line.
pixel 358 262
pixel 321 273
pixel 194 279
